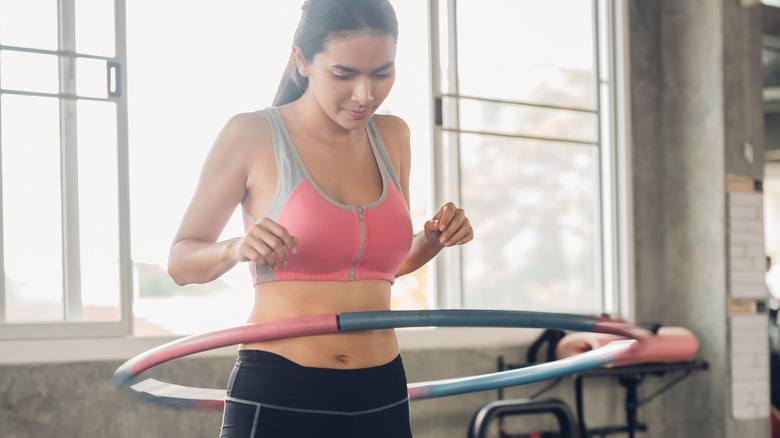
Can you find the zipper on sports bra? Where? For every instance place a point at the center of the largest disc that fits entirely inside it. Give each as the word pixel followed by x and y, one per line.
pixel 360 250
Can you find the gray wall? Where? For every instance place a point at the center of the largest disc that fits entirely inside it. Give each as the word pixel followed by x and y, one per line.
pixel 77 399
pixel 696 97
pixel 679 194
pixel 689 119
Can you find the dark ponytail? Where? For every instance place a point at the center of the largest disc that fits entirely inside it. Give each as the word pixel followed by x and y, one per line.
pixel 293 84
pixel 322 20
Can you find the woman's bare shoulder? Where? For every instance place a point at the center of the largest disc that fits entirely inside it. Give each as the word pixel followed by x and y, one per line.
pixel 390 121
pixel 246 133
pixel 243 144
pixel 394 130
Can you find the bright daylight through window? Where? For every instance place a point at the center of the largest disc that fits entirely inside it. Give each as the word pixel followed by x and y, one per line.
pixel 106 117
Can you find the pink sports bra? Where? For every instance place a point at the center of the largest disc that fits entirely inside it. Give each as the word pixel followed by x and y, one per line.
pixel 337 242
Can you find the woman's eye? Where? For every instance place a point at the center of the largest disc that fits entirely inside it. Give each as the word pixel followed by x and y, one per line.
pixel 342 77
pixel 382 75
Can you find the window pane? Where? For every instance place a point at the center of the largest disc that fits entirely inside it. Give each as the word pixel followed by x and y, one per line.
pixel 29 23
pixel 98 210
pixel 91 77
pixel 536 208
pixel 770 59
pixel 529 121
pixel 32 208
pixel 95 27
pixel 528 52
pixel 772 225
pixel 29 72
pixel 171 131
pixel 410 100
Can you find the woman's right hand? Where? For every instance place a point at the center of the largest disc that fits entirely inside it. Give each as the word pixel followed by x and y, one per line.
pixel 267 244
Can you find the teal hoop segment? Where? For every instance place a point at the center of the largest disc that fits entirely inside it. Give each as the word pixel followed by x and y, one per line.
pixel 464 318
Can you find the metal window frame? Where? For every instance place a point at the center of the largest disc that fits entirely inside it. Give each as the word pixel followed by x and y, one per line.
pixel 71 325
pixel 614 164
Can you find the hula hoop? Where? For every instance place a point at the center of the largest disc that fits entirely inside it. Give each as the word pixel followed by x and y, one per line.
pixel 127 376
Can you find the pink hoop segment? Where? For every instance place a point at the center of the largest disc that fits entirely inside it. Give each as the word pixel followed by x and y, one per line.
pixel 126 377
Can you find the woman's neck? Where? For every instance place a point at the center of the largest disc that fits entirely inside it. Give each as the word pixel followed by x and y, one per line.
pixel 313 121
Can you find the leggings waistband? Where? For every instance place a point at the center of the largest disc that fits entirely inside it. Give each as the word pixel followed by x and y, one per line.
pixel 267 378
pixel 269 358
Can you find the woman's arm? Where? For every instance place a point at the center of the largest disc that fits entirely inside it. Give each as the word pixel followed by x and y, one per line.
pixel 196 256
pixel 448 227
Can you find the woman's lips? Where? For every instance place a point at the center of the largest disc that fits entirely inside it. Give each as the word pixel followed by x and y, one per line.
pixel 356 115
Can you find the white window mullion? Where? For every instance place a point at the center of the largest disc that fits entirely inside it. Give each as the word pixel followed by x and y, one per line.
pixel 125 255
pixel 446 154
pixel 435 108
pixel 69 144
pixel 601 63
pixel 615 188
pixel 2 230
pixel 624 293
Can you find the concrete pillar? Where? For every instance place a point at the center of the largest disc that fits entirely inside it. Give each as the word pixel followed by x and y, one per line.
pixel 695 99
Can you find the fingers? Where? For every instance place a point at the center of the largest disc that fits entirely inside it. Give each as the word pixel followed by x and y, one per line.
pixel 453 225
pixel 267 244
pixel 432 233
pixel 463 234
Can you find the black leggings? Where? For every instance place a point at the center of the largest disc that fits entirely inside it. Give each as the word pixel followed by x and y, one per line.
pixel 270 396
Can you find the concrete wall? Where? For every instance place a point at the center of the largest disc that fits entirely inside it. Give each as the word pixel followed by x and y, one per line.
pixel 679 194
pixel 689 85
pixel 78 400
pixel 696 98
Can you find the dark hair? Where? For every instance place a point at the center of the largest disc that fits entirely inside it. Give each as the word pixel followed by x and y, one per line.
pixel 322 20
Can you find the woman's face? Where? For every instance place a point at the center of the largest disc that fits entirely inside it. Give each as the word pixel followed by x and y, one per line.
pixel 352 76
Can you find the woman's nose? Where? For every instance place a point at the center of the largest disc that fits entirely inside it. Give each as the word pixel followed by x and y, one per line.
pixel 362 92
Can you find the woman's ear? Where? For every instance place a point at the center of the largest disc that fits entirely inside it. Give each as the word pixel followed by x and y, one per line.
pixel 303 67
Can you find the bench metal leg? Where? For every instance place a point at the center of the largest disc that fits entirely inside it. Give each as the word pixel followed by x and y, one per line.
pixel 494 409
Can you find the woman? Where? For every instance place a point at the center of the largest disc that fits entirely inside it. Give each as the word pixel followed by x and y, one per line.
pixel 328 181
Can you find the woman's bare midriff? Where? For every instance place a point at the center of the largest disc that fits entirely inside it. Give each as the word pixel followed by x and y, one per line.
pixel 290 299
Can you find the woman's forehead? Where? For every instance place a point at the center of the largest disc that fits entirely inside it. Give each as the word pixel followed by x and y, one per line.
pixel 363 50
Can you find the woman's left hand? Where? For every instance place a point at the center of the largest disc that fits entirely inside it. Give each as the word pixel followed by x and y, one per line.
pixel 449 226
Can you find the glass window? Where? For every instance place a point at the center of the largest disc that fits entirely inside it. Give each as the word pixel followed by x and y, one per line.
pixel 95 33
pixel 34 72
pixel 60 172
pixel 529 52
pixel 535 206
pixel 99 211
pixel 410 100
pixel 32 208
pixel 93 200
pixel 92 77
pixel 527 121
pixel 171 129
pixel 29 23
pixel 770 57
pixel 770 61
pixel 185 85
pixel 525 104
